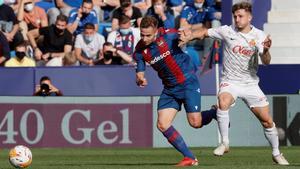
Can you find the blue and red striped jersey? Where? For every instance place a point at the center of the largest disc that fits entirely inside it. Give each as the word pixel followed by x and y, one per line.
pixel 171 63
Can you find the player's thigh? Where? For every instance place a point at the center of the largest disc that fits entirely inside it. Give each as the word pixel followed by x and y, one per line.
pixel 228 93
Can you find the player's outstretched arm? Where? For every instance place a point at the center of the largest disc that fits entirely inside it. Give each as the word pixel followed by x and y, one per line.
pixel 187 35
pixel 141 81
pixel 266 56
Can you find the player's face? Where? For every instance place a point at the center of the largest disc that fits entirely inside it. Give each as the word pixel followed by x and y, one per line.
pixel 242 19
pixel 148 35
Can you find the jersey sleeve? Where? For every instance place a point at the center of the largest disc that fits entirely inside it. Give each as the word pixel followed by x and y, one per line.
pixel 140 63
pixel 72 17
pixel 217 33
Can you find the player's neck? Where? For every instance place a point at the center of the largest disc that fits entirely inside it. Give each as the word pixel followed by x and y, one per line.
pixel 246 29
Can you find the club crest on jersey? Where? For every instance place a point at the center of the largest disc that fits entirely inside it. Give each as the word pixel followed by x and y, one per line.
pixel 160 42
pixel 252 43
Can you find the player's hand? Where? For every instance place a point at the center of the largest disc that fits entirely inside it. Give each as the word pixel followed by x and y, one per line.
pixel 267 43
pixel 185 35
pixel 142 82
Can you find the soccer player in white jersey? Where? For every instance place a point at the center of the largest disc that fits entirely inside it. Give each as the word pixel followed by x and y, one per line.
pixel 243 45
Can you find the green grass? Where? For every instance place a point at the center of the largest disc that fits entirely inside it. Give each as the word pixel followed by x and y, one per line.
pixel 99 158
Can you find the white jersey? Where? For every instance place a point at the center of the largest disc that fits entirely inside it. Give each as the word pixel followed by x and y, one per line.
pixel 241 51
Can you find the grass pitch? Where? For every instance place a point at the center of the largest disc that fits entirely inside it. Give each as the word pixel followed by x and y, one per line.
pixel 156 158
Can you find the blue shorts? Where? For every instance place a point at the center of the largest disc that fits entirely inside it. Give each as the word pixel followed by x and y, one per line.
pixel 187 94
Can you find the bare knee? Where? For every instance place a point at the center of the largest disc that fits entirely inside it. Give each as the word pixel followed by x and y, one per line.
pixel 162 126
pixel 195 123
pixel 268 123
pixel 225 100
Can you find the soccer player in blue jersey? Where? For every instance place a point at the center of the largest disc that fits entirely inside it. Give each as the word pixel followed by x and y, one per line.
pixel 159 48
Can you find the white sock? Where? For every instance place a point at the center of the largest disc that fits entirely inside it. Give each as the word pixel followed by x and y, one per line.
pixel 272 136
pixel 223 124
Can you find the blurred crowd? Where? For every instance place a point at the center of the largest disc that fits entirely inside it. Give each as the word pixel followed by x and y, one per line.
pixel 93 32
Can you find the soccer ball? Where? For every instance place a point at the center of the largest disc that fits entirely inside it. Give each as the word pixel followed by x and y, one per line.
pixel 20 156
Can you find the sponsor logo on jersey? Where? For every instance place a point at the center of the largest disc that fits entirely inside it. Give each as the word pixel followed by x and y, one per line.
pixel 224 85
pixel 160 57
pixel 243 50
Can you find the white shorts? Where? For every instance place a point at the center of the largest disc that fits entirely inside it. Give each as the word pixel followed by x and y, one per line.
pixel 251 94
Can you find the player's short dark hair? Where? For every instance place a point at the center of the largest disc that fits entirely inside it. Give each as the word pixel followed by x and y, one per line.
pixel 124 19
pixel 89 26
pixel 44 78
pixel 242 5
pixel 87 1
pixel 125 3
pixel 149 21
pixel 62 17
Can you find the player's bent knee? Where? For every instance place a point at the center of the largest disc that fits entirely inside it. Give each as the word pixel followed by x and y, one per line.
pixel 195 123
pixel 268 124
pixel 162 127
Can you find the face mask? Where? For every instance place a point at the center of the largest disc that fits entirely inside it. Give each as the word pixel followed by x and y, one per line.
pixel 198 5
pixel 58 31
pixel 108 55
pixel 88 38
pixel 125 31
pixel 29 7
pixel 1 2
pixel 20 55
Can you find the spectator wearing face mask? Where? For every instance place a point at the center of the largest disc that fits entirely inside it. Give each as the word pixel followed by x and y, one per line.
pixel 126 37
pixel 88 45
pixel 31 17
pixel 81 16
pixel 56 42
pixel 113 56
pixel 21 60
pixel 126 8
pixel 162 13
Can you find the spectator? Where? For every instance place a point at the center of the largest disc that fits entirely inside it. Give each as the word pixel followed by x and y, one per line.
pixel 88 45
pixel 104 8
pixel 65 6
pixel 113 56
pixel 14 4
pixel 46 88
pixel 164 14
pixel 176 6
pixel 126 37
pixel 4 49
pixel 9 25
pixel 129 10
pixel 79 17
pixel 56 42
pixel 197 14
pixel 143 5
pixel 68 60
pixel 31 17
pixel 21 60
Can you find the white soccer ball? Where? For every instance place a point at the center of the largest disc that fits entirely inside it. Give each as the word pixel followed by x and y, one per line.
pixel 20 156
